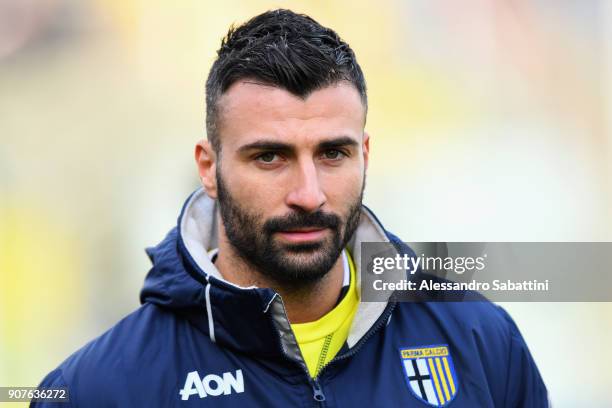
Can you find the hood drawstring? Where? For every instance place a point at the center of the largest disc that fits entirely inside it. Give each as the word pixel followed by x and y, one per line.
pixel 211 323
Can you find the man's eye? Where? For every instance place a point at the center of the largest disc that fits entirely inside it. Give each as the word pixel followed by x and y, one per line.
pixel 267 157
pixel 333 154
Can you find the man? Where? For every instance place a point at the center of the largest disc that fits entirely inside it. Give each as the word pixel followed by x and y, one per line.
pixel 253 299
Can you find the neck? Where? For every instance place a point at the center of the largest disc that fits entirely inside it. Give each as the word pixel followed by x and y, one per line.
pixel 304 304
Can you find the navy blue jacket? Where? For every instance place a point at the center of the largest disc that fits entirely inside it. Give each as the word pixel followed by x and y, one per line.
pixel 198 340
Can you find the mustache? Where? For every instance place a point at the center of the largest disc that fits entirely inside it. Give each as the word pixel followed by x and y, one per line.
pixel 296 220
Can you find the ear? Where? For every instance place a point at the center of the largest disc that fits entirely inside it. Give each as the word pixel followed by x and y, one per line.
pixel 366 149
pixel 206 160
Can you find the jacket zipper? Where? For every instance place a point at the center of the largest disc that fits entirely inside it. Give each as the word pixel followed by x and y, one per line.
pixel 317 390
pixel 382 321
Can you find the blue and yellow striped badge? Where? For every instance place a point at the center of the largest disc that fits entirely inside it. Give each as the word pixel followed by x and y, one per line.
pixel 430 374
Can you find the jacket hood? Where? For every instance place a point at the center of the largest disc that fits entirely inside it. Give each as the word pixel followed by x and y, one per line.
pixel 185 281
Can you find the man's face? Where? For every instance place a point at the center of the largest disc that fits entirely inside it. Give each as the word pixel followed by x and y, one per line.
pixel 290 177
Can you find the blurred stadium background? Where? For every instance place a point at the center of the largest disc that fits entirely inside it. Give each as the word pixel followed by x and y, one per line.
pixel 491 121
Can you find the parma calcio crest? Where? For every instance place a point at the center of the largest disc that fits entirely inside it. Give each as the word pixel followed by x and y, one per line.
pixel 430 374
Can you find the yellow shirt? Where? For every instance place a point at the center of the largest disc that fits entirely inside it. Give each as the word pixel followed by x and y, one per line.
pixel 321 340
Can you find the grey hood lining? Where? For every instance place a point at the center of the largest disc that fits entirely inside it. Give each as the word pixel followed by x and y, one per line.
pixel 198 229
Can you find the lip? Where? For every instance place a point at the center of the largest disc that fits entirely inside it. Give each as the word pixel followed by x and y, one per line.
pixel 303 235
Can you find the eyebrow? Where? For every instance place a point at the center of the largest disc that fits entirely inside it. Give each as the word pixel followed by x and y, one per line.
pixel 342 141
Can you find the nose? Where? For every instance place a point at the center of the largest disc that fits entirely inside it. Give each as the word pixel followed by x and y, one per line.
pixel 306 193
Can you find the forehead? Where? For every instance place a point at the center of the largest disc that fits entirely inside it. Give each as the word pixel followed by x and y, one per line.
pixel 249 110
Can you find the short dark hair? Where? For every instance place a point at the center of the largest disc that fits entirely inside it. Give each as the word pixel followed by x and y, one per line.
pixel 284 49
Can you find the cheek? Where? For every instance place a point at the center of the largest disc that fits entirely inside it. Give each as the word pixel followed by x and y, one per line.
pixel 342 189
pixel 256 192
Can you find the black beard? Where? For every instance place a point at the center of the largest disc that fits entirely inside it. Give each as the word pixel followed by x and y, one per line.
pixel 292 266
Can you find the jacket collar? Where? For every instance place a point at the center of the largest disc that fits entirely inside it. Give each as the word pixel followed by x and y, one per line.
pixel 234 313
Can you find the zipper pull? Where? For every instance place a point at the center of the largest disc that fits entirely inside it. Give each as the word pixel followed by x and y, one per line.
pixel 318 392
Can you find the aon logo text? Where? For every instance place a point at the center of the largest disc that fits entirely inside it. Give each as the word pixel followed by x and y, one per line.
pixel 212 385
